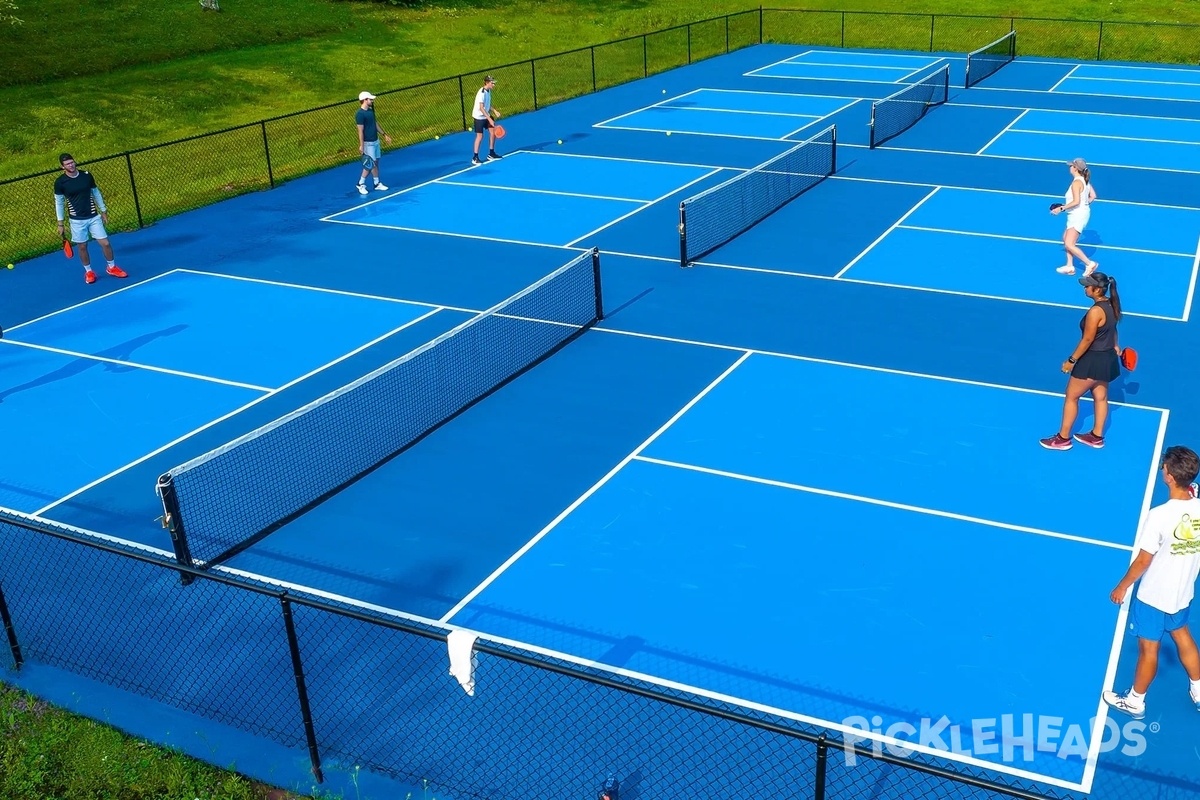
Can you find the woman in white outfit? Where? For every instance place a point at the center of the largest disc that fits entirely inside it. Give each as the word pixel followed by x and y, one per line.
pixel 1078 208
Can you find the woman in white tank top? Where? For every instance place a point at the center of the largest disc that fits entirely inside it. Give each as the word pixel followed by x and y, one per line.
pixel 1078 207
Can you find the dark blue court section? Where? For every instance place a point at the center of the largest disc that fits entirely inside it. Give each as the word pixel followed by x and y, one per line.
pixel 857 521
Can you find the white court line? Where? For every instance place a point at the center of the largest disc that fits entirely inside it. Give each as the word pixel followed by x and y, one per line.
pixel 236 411
pixel 1003 131
pixel 135 365
pixel 1134 68
pixel 321 289
pixel 878 67
pixel 742 111
pixel 818 120
pixel 95 299
pixel 1023 158
pixel 832 80
pixel 1088 94
pixel 1073 111
pixel 884 235
pixel 1043 241
pixel 544 191
pixel 1064 77
pixel 575 241
pixel 596 486
pixel 1137 80
pixel 919 70
pixel 691 133
pixel 779 94
pixel 882 284
pixel 406 190
pixel 933 512
pixel 1105 136
pixel 443 233
pixel 1114 653
pixel 1191 292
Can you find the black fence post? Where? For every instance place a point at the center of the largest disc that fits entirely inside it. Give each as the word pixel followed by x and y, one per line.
pixel 593 49
pixel 137 204
pixel 822 764
pixel 533 79
pixel 932 21
pixel 462 101
pixel 760 24
pixel 843 44
pixel 1100 40
pixel 645 57
pixel 267 150
pixel 689 38
pixel 310 733
pixel 10 631
pixel 726 33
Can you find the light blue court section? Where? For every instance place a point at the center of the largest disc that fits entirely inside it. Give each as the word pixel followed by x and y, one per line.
pixel 1146 129
pixel 752 125
pixel 513 215
pixel 626 179
pixel 838 72
pixel 66 422
pixel 871 59
pixel 1113 224
pixel 1151 284
pixel 1101 150
pixel 802 105
pixel 1160 83
pixel 818 606
pixel 257 333
pixel 945 446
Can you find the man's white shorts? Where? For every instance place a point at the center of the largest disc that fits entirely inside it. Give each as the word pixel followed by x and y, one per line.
pixel 82 229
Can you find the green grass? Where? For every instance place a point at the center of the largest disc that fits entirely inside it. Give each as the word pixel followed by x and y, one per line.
pixel 49 754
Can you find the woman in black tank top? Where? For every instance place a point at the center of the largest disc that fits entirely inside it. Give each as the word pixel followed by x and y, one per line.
pixel 1094 363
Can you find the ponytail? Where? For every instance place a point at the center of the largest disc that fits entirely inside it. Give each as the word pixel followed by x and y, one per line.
pixel 1114 298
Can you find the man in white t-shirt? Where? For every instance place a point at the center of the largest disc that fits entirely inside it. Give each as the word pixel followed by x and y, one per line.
pixel 1167 564
pixel 482 113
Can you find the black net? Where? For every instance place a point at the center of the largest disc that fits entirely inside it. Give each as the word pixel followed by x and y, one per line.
pixel 987 60
pixel 229 497
pixel 900 111
pixel 720 214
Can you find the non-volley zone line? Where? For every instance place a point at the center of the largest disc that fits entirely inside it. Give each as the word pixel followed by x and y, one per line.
pixel 732 113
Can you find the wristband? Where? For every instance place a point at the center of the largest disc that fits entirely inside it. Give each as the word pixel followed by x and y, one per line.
pixel 1071 360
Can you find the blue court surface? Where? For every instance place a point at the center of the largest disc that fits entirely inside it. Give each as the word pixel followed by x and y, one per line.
pixel 800 475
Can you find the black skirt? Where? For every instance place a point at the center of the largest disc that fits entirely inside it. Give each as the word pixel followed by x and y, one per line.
pixel 1097 365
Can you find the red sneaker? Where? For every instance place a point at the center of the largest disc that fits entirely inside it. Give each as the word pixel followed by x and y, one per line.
pixel 116 272
pixel 1090 439
pixel 1055 442
pixel 89 276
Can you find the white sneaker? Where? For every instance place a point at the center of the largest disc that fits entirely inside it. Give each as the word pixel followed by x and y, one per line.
pixel 379 187
pixel 1091 268
pixel 1195 695
pixel 1121 702
pixel 1065 270
pixel 362 189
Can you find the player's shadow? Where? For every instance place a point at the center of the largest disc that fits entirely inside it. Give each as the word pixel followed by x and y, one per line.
pixel 79 365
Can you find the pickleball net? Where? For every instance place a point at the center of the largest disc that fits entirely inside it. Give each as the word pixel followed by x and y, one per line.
pixel 988 59
pixel 899 111
pixel 221 502
pixel 720 214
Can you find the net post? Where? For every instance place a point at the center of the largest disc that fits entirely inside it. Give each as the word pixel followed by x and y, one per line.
pixel 946 86
pixel 683 259
pixel 596 283
pixel 833 152
pixel 14 645
pixel 872 125
pixel 172 520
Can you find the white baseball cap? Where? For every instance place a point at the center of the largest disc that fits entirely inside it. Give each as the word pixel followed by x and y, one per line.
pixel 365 96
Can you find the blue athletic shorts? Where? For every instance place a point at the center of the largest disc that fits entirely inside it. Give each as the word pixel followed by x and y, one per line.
pixel 1147 622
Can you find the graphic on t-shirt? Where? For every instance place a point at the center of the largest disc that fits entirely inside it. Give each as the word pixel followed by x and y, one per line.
pixel 1187 536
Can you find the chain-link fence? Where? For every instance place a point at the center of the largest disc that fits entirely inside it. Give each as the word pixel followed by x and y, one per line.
pixel 363 688
pixel 151 183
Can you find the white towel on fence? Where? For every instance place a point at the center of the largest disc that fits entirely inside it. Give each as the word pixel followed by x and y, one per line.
pixel 462 658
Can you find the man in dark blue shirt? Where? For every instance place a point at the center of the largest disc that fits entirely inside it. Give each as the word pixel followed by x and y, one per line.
pixel 76 190
pixel 368 140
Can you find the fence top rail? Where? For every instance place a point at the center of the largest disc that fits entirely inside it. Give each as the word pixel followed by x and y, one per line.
pixel 1011 17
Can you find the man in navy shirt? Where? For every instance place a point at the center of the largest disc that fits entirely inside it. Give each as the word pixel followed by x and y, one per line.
pixel 76 189
pixel 368 139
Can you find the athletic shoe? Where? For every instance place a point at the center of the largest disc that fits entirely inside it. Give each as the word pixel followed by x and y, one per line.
pixel 1055 442
pixel 379 187
pixel 1065 270
pixel 362 189
pixel 1122 703
pixel 494 156
pixel 1090 439
pixel 475 160
pixel 116 272
pixel 1089 270
pixel 1195 695
pixel 89 276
